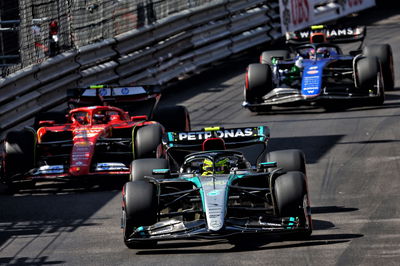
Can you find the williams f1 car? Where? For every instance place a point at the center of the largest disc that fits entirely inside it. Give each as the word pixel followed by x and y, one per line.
pixel 98 140
pixel 317 70
pixel 216 183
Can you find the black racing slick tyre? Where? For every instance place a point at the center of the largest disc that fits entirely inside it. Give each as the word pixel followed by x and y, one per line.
pixel 289 191
pixel 367 69
pixel 258 83
pixel 266 56
pixel 19 153
pixel 291 197
pixel 288 160
pixel 144 167
pixel 384 53
pixel 173 118
pixel 148 141
pixel 139 209
pixel 369 78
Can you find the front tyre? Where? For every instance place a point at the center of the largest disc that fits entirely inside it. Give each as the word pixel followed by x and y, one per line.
pixel 139 209
pixel 369 78
pixel 291 197
pixel 384 53
pixel 257 84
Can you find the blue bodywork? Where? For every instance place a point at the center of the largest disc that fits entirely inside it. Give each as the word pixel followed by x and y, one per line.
pixel 308 76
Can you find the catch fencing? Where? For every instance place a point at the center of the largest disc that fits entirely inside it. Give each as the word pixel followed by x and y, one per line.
pixel 147 42
pixel 154 54
pixel 78 23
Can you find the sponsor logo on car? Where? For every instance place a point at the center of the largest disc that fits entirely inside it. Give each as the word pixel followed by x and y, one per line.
pixel 330 33
pixel 226 133
pixel 312 72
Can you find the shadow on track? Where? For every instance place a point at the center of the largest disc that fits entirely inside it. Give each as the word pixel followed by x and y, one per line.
pixel 244 243
pixel 48 209
pixel 247 243
pixel 25 261
pixel 331 209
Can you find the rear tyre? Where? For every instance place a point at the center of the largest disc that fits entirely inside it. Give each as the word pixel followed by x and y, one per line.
pixel 19 153
pixel 266 57
pixel 148 141
pixel 173 118
pixel 258 83
pixel 292 200
pixel 139 209
pixel 288 160
pixel 57 117
pixel 384 53
pixel 144 167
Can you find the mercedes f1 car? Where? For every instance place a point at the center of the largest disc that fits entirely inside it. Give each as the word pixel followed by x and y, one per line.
pixel 98 140
pixel 216 183
pixel 318 70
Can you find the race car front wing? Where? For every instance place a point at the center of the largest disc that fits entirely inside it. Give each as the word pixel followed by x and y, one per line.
pixel 175 229
pixel 279 96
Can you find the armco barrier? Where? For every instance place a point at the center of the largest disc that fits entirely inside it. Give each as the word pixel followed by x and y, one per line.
pixel 18 84
pixel 97 53
pixel 160 53
pixel 64 63
pixel 100 74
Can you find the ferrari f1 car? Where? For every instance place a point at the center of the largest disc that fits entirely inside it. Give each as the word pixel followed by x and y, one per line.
pixel 98 140
pixel 216 183
pixel 318 70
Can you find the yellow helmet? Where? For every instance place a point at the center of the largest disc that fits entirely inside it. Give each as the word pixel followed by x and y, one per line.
pixel 220 167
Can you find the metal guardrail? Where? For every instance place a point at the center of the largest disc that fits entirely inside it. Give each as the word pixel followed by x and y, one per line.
pixel 159 53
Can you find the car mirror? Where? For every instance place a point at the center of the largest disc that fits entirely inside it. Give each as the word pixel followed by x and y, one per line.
pixel 139 118
pixel 165 172
pixel 46 123
pixel 266 165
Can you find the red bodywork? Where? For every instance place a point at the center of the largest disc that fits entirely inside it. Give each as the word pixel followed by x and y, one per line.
pixel 86 125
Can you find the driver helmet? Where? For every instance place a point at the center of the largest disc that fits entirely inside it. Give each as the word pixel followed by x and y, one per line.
pixel 100 118
pixel 311 53
pixel 220 167
pixel 323 52
pixel 81 118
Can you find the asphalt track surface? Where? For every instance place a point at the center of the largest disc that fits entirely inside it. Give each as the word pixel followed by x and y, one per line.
pixel 353 163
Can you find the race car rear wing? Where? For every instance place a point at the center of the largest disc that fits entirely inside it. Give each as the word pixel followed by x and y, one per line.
pixel 251 141
pixel 119 96
pixel 109 93
pixel 323 33
pixel 231 136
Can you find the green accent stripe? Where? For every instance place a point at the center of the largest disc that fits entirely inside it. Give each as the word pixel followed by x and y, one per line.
pixel 96 86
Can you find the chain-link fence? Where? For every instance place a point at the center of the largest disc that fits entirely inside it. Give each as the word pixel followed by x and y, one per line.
pixel 9 41
pixel 48 27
